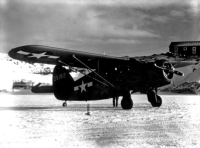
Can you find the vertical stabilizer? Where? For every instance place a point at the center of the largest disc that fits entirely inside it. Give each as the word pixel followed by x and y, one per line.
pixel 63 83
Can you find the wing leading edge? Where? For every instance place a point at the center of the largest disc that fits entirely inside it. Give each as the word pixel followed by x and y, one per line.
pixel 52 55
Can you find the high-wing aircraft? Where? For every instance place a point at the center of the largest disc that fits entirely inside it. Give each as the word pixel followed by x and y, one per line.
pixel 107 76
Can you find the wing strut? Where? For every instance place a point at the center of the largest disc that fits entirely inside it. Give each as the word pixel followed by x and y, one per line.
pixel 83 73
pixel 92 70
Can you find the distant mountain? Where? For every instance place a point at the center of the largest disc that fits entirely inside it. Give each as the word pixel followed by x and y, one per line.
pixel 185 88
pixel 24 66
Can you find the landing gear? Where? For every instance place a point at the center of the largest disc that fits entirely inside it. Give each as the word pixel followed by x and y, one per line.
pixel 65 104
pixel 127 102
pixel 154 99
pixel 159 101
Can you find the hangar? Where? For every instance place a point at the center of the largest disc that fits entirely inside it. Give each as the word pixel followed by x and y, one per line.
pixel 187 48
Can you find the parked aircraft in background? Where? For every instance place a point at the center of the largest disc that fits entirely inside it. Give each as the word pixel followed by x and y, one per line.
pixel 107 76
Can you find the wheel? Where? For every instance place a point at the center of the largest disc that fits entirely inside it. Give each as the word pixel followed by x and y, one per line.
pixel 152 98
pixel 154 104
pixel 64 104
pixel 151 95
pixel 159 101
pixel 126 103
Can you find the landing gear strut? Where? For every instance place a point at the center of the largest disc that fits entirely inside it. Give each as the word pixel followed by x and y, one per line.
pixel 153 98
pixel 65 104
pixel 127 102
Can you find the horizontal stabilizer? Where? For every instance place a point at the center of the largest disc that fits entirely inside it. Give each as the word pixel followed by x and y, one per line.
pixel 42 89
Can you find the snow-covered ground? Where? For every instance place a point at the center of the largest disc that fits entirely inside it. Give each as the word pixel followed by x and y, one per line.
pixel 40 121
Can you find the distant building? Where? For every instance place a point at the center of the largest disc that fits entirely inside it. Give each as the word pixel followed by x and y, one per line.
pixel 188 48
pixel 22 84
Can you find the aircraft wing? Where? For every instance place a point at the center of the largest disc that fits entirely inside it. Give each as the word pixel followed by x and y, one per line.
pixel 52 55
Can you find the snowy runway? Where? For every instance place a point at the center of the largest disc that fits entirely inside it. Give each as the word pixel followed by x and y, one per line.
pixel 40 121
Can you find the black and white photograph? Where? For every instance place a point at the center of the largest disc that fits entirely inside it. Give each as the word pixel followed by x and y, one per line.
pixel 100 73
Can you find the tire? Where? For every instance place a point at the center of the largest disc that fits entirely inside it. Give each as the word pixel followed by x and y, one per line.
pixel 64 104
pixel 126 103
pixel 154 104
pixel 159 101
pixel 151 95
pixel 152 98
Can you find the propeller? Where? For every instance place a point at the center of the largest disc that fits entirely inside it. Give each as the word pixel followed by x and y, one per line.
pixel 178 73
pixel 169 70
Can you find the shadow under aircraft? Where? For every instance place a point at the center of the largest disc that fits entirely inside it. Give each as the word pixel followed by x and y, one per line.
pixel 106 77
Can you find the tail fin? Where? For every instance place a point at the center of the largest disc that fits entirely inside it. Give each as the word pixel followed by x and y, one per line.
pixel 63 83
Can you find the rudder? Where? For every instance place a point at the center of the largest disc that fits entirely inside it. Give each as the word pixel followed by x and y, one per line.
pixel 63 83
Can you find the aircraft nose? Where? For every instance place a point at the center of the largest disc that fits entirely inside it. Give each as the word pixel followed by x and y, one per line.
pixel 169 70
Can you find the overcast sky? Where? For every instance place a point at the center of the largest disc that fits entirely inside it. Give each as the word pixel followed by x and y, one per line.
pixel 118 27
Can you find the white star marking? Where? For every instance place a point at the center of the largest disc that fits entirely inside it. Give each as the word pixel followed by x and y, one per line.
pixel 82 86
pixel 38 55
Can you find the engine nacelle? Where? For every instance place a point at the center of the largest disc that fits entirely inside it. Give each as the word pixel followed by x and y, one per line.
pixel 63 83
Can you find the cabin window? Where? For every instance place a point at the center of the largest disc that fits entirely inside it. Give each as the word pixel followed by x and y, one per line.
pixel 176 50
pixel 184 48
pixel 194 51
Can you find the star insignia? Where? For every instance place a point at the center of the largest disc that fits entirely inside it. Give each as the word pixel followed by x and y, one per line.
pixel 37 55
pixel 83 86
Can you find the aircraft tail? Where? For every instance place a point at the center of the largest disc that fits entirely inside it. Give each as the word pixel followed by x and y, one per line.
pixel 63 83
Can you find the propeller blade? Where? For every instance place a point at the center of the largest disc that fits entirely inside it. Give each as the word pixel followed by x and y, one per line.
pixel 178 73
pixel 159 67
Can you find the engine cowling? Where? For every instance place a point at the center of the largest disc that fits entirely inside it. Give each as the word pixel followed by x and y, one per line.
pixel 63 83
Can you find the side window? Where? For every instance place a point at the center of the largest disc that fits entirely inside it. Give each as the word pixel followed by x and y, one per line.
pixel 176 50
pixel 194 51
